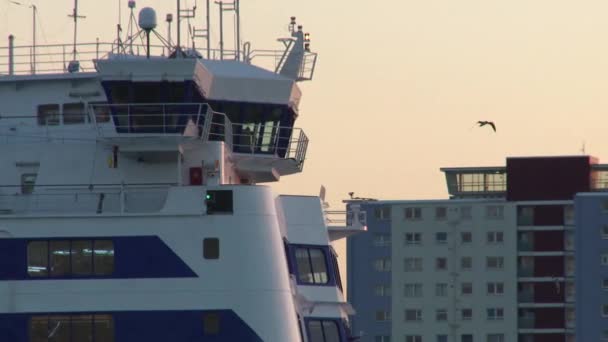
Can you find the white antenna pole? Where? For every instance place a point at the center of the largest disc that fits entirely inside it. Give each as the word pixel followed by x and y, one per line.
pixel 76 17
pixel 221 30
pixel 179 26
pixel 208 29
pixel 34 9
pixel 238 30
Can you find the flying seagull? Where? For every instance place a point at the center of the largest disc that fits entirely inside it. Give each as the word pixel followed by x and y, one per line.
pixel 483 123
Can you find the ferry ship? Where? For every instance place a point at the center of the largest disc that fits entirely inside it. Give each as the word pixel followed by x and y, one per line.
pixel 131 204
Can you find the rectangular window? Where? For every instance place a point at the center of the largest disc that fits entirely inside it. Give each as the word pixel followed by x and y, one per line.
pixel 413 338
pixel 211 248
pixel 605 284
pixel 102 112
pixel 495 263
pixel 441 237
pixel 323 331
pixel 70 258
pixel 495 314
pixel 441 315
pixel 413 264
pixel 441 290
pixel 466 237
pixel 63 328
pixel 495 212
pixel 466 314
pixel 605 310
pixel 495 338
pixel 466 263
pixel 82 257
pixel 312 265
pixel 59 258
pixel 495 289
pixel 466 338
pixel 28 183
pixel 466 288
pixel 382 290
pixel 442 338
pixel 382 265
pixel 382 316
pixel 495 237
pixel 604 232
pixel 441 264
pixel 604 259
pixel 38 259
pixel 382 240
pixel 74 113
pixel 103 260
pixel 413 238
pixel 412 213
pixel 48 115
pixel 380 338
pixel 466 213
pixel 413 315
pixel 412 290
pixel 441 213
pixel 382 213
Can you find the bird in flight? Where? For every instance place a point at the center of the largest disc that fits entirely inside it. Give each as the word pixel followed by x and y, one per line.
pixel 483 123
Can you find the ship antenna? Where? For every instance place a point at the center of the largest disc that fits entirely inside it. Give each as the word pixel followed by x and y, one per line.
pixel 76 17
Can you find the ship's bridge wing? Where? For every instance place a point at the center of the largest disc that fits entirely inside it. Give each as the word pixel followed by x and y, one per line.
pixel 231 81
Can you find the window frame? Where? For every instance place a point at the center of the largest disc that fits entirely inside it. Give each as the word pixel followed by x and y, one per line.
pixel 417 313
pixel 330 281
pixel 322 321
pixel 413 238
pixel 42 117
pixel 412 213
pixel 468 317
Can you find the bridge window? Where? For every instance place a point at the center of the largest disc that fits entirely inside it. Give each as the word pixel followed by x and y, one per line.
pixel 64 328
pixel 28 181
pixel 323 331
pixel 211 248
pixel 48 115
pixel 73 113
pixel 70 258
pixel 312 265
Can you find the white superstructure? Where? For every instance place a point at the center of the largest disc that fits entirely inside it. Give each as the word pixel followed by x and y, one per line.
pixel 130 208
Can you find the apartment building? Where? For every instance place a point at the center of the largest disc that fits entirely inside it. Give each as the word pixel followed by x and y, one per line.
pixel 495 262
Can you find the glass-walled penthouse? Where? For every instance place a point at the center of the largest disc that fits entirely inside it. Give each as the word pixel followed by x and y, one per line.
pixel 476 181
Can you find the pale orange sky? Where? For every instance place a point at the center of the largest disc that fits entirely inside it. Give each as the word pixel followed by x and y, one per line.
pixel 400 85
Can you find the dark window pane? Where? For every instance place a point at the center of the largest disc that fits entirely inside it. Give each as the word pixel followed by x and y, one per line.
pixel 82 328
pixel 104 328
pixel 304 267
pixel 211 248
pixel 102 112
pixel 38 258
pixel 28 182
pixel 48 115
pixel 73 113
pixel 104 257
pixel 211 324
pixel 319 266
pixel 331 331
pixel 82 257
pixel 59 329
pixel 60 258
pixel 39 329
pixel 315 331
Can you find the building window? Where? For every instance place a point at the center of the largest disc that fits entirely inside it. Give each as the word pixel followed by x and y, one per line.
pixel 312 265
pixel 413 264
pixel 413 315
pixel 382 265
pixel 413 238
pixel 381 338
pixel 495 314
pixel 73 113
pixel 70 258
pixel 28 182
pixel 382 316
pixel 382 290
pixel 441 315
pixel 211 324
pixel 466 213
pixel 412 213
pixel 495 338
pixel 442 338
pixel 441 213
pixel 496 289
pixel 495 263
pixel 382 240
pixel 211 248
pixel 323 331
pixel 605 231
pixel 63 328
pixel 466 237
pixel 495 237
pixel 495 212
pixel 382 213
pixel 441 264
pixel 466 288
pixel 605 310
pixel 525 216
pixel 441 237
pixel 604 259
pixel 605 335
pixel 466 338
pixel 605 284
pixel 466 263
pixel 48 115
pixel 441 290
pixel 413 338
pixel 604 205
pixel 412 290
pixel 466 314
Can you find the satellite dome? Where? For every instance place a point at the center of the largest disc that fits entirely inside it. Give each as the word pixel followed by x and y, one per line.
pixel 147 18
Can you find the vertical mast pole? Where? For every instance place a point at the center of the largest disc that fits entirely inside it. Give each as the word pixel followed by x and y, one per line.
pixel 238 29
pixel 34 39
pixel 179 22
pixel 221 30
pixel 208 29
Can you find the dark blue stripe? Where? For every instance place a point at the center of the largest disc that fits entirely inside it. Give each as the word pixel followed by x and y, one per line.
pixel 148 326
pixel 134 257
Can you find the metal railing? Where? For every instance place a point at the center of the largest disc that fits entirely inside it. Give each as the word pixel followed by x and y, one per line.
pixel 84 199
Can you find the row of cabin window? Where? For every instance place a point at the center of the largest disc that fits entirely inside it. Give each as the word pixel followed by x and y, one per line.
pixel 70 258
pixel 323 331
pixel 69 114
